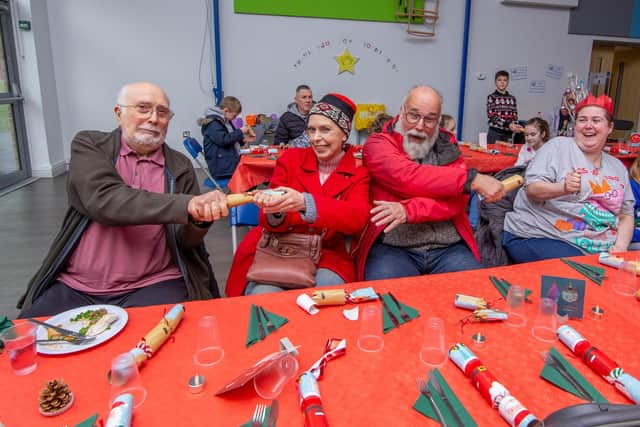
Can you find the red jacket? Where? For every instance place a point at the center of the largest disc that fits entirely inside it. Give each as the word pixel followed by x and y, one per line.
pixel 342 205
pixel 428 193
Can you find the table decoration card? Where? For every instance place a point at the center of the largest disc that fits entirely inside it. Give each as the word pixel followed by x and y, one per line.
pixel 569 293
pixel 262 323
pixel 554 375
pixel 423 406
pixel 395 310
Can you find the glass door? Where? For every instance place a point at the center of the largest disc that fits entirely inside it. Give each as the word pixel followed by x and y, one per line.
pixel 14 156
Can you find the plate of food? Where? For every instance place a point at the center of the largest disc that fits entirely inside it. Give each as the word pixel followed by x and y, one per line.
pixel 102 322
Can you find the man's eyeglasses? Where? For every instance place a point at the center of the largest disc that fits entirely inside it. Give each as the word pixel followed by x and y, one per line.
pixel 414 119
pixel 147 110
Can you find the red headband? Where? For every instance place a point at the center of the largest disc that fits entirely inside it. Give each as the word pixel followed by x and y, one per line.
pixel 602 101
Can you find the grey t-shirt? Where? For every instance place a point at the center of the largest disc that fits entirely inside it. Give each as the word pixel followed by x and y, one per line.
pixel 589 219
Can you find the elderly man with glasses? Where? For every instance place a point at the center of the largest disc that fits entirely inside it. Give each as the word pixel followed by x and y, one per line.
pixel 133 232
pixel 420 188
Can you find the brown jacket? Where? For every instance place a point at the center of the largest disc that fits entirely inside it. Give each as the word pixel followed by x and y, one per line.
pixel 96 192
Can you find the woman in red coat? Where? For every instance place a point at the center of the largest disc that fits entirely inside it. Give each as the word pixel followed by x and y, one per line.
pixel 326 190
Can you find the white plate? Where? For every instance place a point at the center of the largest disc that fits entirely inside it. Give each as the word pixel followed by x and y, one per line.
pixel 64 320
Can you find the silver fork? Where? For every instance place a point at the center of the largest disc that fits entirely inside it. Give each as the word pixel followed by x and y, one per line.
pixel 423 386
pixel 259 415
pixel 72 340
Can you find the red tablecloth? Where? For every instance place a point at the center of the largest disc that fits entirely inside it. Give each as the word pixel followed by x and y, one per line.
pixel 253 170
pixel 490 163
pixel 358 389
pixel 614 148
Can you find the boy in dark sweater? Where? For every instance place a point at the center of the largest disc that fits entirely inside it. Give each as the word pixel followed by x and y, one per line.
pixel 502 112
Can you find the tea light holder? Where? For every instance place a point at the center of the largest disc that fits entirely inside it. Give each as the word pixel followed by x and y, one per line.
pixel 196 384
pixel 597 312
pixel 479 339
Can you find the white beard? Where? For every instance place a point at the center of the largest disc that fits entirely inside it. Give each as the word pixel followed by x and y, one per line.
pixel 148 139
pixel 417 150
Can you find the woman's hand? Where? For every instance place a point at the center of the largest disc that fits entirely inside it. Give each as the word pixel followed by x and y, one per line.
pixel 272 202
pixel 572 182
pixel 617 248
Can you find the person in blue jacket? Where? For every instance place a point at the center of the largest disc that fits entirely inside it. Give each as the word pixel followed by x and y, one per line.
pixel 221 139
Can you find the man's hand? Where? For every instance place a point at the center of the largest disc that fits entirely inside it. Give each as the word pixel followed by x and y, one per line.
pixel 391 213
pixel 271 202
pixel 488 187
pixel 208 207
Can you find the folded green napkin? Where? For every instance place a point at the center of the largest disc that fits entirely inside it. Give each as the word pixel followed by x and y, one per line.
pixel 550 374
pixel 89 422
pixel 264 424
pixel 423 405
pixel 591 272
pixel 253 335
pixel 4 324
pixel 387 323
pixel 503 287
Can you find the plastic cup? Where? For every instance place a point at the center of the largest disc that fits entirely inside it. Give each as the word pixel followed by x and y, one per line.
pixel 125 378
pixel 546 323
pixel 432 352
pixel 209 349
pixel 625 280
pixel 20 342
pixel 515 307
pixel 370 339
pixel 270 382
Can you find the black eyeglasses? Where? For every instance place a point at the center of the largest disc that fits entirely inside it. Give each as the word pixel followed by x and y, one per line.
pixel 147 110
pixel 415 118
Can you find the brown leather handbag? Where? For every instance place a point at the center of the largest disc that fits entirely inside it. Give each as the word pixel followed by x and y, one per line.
pixel 287 260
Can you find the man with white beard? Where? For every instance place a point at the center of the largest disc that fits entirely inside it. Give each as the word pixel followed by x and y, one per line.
pixel 133 232
pixel 420 189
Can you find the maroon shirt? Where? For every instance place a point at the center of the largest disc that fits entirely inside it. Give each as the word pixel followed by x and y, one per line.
pixel 118 259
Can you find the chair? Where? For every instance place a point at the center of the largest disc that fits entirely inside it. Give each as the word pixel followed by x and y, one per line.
pixel 194 148
pixel 243 215
pixel 624 126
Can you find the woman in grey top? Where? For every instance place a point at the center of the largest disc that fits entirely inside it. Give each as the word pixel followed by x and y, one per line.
pixel 577 199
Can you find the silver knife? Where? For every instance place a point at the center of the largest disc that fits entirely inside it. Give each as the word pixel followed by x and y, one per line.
pixel 63 331
pixel 436 385
pixel 273 414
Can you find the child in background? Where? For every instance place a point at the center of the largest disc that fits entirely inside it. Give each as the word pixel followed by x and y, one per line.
pixel 634 175
pixel 447 122
pixel 536 133
pixel 221 139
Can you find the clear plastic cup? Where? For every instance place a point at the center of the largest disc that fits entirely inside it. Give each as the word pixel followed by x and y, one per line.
pixel 515 307
pixel 625 281
pixel 546 324
pixel 270 382
pixel 125 378
pixel 20 342
pixel 209 349
pixel 370 339
pixel 432 352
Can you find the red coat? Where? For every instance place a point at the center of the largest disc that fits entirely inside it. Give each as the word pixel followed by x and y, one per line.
pixel 342 205
pixel 428 193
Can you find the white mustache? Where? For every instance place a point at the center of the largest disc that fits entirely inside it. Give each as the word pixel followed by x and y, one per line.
pixel 417 134
pixel 149 127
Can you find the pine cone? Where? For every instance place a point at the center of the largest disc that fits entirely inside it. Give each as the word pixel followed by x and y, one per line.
pixel 54 396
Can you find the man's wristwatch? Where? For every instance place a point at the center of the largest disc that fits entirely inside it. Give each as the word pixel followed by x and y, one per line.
pixel 471 175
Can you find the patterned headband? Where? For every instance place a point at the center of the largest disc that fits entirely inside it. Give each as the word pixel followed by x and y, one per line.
pixel 334 113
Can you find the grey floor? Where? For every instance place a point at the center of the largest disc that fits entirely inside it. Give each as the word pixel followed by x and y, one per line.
pixel 30 218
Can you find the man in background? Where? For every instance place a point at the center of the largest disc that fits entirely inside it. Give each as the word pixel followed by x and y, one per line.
pixel 293 123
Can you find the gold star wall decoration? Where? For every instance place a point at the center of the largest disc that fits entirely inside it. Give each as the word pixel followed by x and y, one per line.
pixel 346 62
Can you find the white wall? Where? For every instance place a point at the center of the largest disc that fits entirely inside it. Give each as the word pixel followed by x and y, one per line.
pixel 98 46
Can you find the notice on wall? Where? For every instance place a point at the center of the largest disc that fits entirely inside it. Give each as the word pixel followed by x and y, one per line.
pixel 537 86
pixel 553 71
pixel 519 73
